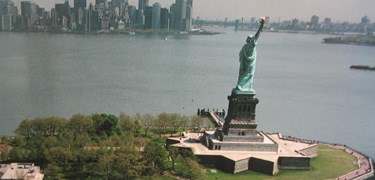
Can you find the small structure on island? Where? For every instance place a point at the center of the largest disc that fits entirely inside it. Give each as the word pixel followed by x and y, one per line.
pixel 20 171
pixel 236 145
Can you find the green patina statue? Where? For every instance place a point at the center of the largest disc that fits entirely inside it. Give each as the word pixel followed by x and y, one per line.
pixel 247 64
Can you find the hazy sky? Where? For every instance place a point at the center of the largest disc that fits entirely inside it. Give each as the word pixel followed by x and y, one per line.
pixel 338 10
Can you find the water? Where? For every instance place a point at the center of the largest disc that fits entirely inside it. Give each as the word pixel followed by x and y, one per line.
pixel 305 88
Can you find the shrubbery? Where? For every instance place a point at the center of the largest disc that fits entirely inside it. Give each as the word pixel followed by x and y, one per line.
pixel 103 145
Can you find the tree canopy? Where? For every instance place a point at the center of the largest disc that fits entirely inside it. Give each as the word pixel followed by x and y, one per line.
pixel 103 146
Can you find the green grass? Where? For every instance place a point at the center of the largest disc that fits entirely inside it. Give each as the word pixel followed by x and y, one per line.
pixel 329 164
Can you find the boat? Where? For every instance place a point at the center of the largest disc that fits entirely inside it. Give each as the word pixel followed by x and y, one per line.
pixel 362 67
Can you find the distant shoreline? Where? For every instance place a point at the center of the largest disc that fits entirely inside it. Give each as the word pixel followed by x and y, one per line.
pixel 126 32
pixel 354 40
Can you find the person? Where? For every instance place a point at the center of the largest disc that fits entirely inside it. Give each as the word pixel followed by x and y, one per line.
pixel 247 63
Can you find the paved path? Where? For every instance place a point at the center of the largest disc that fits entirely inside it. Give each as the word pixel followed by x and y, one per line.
pixel 365 170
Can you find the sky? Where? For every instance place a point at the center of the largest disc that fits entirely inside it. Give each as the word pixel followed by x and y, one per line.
pixel 337 10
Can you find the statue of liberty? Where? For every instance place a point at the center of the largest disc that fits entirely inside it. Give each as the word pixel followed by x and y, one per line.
pixel 247 64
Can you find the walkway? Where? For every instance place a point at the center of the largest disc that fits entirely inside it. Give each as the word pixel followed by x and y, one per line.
pixel 366 167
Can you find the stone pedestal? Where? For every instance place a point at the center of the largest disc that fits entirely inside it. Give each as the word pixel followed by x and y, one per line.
pixel 241 114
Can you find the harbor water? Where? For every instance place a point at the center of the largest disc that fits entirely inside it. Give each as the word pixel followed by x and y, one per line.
pixel 305 87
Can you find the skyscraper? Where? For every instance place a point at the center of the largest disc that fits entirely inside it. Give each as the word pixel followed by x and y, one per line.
pixel 180 15
pixel 132 11
pixel 6 23
pixel 141 19
pixel 142 4
pixel 98 2
pixel 62 10
pixel 156 11
pixel 7 11
pixel 29 12
pixel 164 18
pixel 7 8
pixel 189 15
pixel 172 16
pixel 314 20
pixel 80 4
pixel 148 18
pixel 88 22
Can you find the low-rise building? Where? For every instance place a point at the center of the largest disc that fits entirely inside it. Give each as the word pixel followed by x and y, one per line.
pixel 27 171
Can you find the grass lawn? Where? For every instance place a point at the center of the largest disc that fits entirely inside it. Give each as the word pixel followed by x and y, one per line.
pixel 329 164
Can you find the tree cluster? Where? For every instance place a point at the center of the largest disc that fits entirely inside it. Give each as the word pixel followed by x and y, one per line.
pixel 101 146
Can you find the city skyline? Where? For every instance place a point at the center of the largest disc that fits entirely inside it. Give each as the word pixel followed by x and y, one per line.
pixel 338 10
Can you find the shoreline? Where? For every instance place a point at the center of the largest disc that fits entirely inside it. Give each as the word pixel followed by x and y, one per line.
pixel 364 162
pixel 125 32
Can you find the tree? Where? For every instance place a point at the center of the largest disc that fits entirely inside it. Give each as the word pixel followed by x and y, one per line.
pixel 196 122
pixel 173 154
pixel 120 164
pixel 19 154
pixel 194 169
pixel 154 156
pixel 137 122
pixel 128 164
pixel 5 151
pixel 106 164
pixel 60 155
pixel 174 122
pixel 189 167
pixel 126 122
pixel 24 129
pixel 148 121
pixel 53 125
pixel 106 124
pixel 162 122
pixel 79 124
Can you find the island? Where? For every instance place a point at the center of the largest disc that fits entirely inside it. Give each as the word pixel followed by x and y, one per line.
pixel 352 39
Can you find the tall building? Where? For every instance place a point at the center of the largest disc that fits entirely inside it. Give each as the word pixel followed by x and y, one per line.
pixel 295 24
pixel 365 20
pixel 25 8
pixel 88 18
pixel 6 23
pixel 327 20
pixel 142 4
pixel 189 15
pixel 119 8
pixel 7 12
pixel 164 18
pixel 132 11
pixel 180 15
pixel 314 21
pixel 80 4
pixel 148 17
pixel 156 12
pixel 172 16
pixel 3 10
pixel 54 22
pixel 99 2
pixel 141 19
pixel 62 13
pixel 29 12
pixel 7 8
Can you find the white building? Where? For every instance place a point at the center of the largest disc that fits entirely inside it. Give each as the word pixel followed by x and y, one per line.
pixel 27 171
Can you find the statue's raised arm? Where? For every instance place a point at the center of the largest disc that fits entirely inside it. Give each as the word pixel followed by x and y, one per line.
pixel 247 64
pixel 260 29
